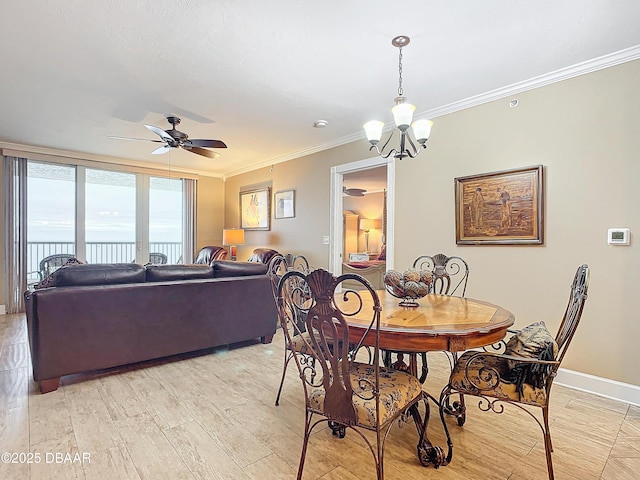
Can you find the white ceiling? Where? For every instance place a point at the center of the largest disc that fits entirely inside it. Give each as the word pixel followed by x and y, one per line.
pixel 257 73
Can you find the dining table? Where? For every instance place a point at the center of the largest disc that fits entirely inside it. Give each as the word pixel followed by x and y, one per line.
pixel 437 323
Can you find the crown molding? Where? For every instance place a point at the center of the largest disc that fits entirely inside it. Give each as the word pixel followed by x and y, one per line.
pixel 583 68
pixel 17 148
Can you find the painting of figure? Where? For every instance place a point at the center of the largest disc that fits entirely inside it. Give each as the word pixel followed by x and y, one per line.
pixel 255 212
pixel 503 207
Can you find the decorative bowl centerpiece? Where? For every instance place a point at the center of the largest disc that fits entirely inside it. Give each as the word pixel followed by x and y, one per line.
pixel 408 286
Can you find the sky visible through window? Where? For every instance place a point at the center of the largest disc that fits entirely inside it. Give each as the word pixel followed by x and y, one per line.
pixel 110 205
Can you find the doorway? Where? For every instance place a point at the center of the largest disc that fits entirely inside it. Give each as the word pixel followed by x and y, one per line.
pixel 351 170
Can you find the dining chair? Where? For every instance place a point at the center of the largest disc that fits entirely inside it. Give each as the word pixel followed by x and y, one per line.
pixel 520 371
pixel 339 387
pixel 278 266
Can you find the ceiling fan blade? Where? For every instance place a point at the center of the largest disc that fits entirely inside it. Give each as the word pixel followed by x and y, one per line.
pixel 354 192
pixel 158 131
pixel 201 151
pixel 130 138
pixel 207 143
pixel 161 150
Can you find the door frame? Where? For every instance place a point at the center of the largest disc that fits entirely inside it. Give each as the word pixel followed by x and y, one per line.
pixel 336 207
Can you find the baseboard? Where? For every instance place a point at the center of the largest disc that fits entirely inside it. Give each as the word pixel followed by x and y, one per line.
pixel 3 309
pixel 604 387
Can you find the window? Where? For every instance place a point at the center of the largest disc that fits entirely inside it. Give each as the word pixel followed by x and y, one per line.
pixel 106 216
pixel 110 216
pixel 166 224
pixel 51 210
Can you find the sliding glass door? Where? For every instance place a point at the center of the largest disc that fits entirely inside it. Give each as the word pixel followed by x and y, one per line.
pixel 104 216
pixel 166 224
pixel 110 216
pixel 51 214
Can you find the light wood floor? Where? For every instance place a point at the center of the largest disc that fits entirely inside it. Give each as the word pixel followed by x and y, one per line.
pixel 212 417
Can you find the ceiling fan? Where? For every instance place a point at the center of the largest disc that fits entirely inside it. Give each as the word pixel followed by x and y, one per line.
pixel 354 192
pixel 173 138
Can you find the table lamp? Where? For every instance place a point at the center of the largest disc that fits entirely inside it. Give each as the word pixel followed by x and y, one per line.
pixel 367 224
pixel 232 237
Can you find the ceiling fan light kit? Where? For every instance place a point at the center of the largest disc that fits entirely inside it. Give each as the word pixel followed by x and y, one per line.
pixel 402 116
pixel 174 138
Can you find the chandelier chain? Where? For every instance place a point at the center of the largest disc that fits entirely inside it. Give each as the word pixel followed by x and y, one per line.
pixel 413 135
pixel 400 72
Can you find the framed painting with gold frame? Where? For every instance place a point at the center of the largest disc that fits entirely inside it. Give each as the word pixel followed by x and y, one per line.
pixel 501 208
pixel 255 209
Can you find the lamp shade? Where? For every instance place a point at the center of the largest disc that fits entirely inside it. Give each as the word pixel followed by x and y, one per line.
pixel 422 130
pixel 233 236
pixel 402 115
pixel 373 129
pixel 369 223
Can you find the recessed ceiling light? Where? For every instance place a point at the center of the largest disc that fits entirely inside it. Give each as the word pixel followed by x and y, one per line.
pixel 320 123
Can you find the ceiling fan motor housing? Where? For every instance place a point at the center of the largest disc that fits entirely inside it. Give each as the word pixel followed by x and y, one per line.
pixel 177 135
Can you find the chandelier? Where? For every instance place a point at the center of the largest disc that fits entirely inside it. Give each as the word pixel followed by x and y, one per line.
pixel 402 115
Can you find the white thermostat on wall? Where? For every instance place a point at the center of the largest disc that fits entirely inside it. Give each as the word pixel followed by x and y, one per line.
pixel 618 236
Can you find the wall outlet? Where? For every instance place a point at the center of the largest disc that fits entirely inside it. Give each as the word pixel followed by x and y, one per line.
pixel 325 240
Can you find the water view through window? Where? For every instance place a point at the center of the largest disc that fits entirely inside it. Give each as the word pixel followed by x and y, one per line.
pixel 109 227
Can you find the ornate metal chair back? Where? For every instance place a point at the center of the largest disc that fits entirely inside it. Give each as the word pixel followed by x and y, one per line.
pixel 573 313
pixel 450 274
pixel 329 376
pixel 281 264
pixel 297 262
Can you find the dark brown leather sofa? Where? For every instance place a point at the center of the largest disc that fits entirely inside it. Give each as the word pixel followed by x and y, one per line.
pixel 97 316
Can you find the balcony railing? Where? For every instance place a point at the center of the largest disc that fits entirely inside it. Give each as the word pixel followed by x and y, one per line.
pixel 100 252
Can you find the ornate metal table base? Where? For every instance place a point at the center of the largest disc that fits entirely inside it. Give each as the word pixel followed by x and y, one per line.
pixel 428 454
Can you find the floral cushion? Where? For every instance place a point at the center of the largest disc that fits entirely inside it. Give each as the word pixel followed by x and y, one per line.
pixel 397 390
pixel 488 384
pixel 301 343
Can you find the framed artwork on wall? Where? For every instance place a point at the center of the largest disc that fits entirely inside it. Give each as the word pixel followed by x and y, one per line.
pixel 500 208
pixel 255 209
pixel 284 204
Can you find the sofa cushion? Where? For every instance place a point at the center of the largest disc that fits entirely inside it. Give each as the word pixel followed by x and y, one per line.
pixel 162 273
pixel 98 274
pixel 229 268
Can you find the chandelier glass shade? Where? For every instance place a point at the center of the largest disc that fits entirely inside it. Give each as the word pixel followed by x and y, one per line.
pixel 413 136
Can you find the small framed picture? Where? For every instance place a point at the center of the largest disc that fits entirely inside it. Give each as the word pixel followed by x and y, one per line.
pixel 255 213
pixel 284 204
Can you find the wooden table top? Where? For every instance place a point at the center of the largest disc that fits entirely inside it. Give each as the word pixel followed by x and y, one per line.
pixel 440 322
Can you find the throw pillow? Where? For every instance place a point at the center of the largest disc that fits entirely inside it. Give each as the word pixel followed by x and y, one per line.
pixel 50 281
pixel 533 341
pixel 383 253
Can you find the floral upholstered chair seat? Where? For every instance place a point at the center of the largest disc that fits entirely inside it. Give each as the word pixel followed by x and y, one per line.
pixel 396 388
pixel 474 373
pixel 301 344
